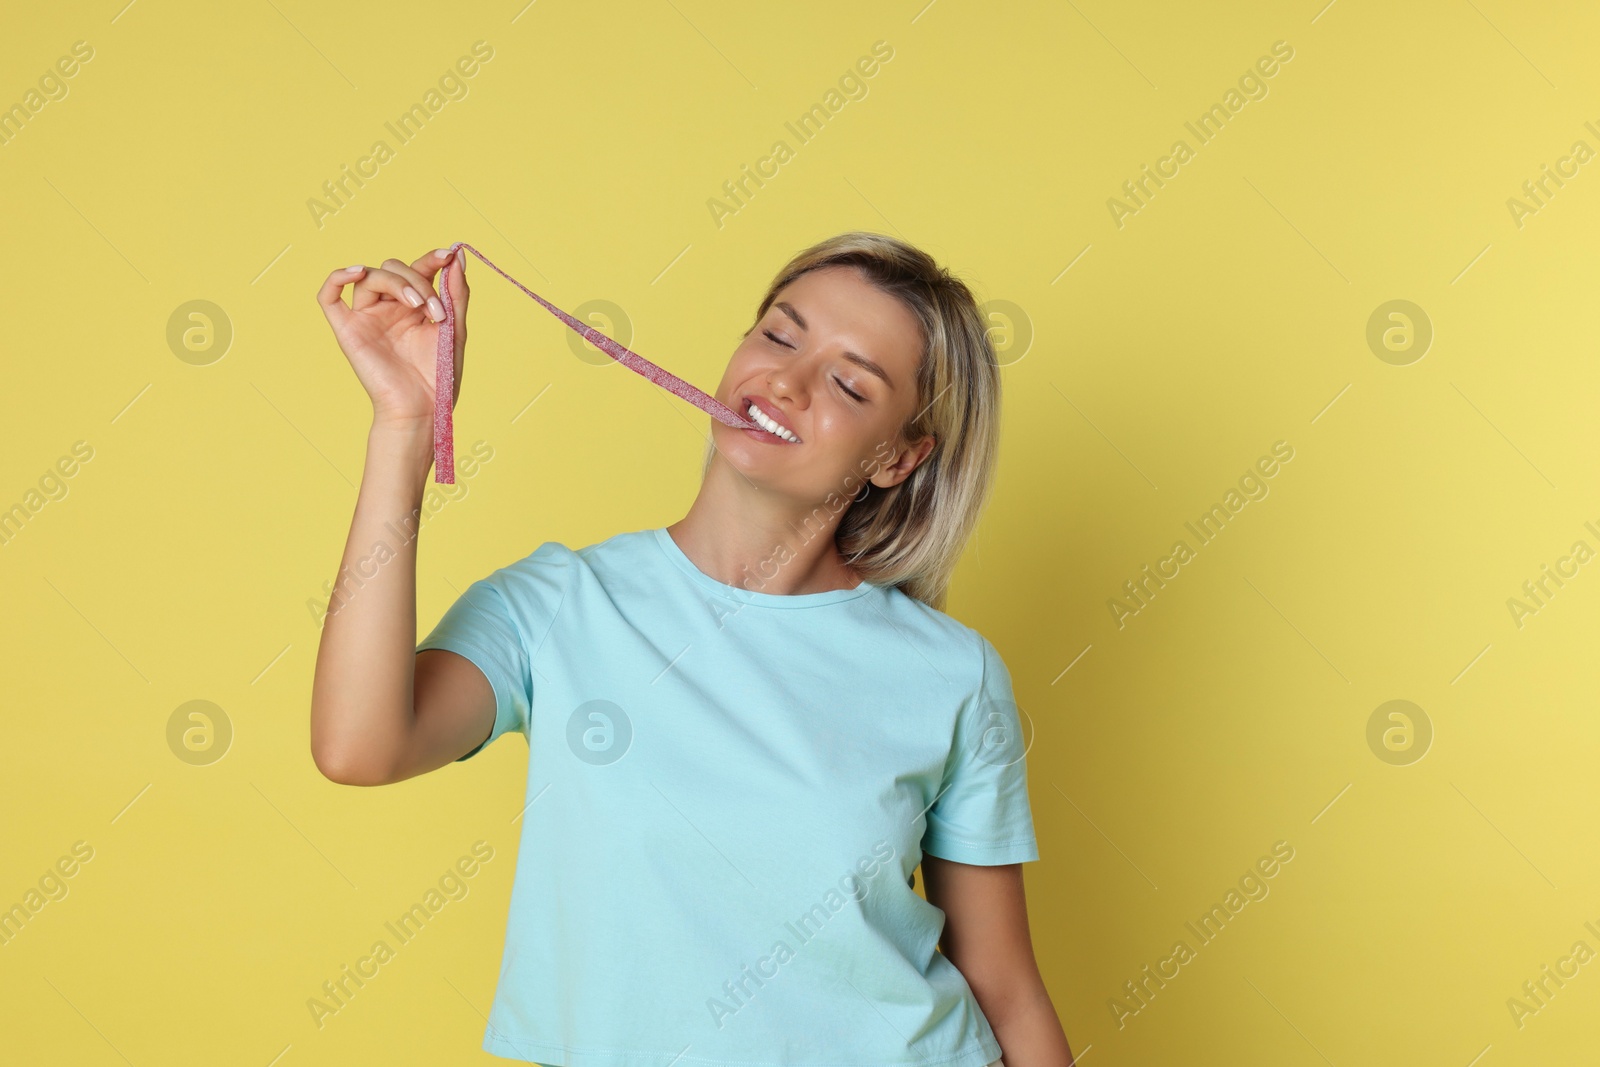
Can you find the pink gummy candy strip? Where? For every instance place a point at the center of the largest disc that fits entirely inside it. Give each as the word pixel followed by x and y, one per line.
pixel 444 462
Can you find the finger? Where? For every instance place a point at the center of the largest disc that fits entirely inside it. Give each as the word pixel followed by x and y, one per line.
pixel 428 263
pixel 420 285
pixel 455 279
pixel 331 295
pixel 442 260
pixel 380 284
pixel 454 274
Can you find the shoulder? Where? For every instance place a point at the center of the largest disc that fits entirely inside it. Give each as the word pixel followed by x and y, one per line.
pixel 557 566
pixel 550 559
pixel 530 590
pixel 954 641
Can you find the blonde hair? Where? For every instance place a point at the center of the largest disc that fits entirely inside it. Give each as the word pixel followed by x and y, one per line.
pixel 911 535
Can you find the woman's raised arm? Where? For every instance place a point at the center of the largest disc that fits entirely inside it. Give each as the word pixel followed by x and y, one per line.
pixel 380 712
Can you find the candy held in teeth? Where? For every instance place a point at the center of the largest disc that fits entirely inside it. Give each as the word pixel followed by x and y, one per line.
pixel 444 465
pixel 775 428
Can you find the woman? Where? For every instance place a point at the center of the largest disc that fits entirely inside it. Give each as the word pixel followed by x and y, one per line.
pixel 747 729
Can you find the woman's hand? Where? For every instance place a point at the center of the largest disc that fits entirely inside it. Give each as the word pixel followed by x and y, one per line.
pixel 390 331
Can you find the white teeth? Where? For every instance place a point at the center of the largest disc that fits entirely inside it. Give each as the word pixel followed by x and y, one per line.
pixel 759 416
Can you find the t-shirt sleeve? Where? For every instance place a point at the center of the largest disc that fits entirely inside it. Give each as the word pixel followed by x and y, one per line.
pixel 499 624
pixel 982 814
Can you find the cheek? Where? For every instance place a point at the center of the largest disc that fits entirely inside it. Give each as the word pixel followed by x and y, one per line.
pixel 851 446
pixel 829 425
pixel 746 362
pixel 864 431
pixel 736 371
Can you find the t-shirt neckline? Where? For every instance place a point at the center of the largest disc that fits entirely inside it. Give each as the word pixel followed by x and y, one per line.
pixel 670 549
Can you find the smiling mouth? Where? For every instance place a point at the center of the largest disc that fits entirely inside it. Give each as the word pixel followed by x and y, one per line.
pixel 769 425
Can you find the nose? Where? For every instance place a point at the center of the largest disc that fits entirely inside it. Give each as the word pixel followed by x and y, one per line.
pixel 788 382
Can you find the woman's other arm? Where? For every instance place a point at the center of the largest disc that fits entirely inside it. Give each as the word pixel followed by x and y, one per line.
pixel 986 937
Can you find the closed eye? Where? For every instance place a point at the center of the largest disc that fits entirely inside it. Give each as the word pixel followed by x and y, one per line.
pixel 857 397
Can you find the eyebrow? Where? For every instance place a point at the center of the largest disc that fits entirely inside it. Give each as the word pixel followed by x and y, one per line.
pixel 854 357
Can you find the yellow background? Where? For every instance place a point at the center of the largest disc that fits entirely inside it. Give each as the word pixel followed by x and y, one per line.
pixel 1229 313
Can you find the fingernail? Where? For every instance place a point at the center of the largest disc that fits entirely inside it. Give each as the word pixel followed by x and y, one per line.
pixel 435 309
pixel 413 297
pixel 441 252
pixel 352 270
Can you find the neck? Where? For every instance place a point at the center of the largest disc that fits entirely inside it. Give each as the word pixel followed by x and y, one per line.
pixel 748 537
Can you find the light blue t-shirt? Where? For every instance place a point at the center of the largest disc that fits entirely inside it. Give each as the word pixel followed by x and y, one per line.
pixel 728 792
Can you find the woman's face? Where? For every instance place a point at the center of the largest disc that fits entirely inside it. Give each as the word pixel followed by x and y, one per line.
pixel 834 361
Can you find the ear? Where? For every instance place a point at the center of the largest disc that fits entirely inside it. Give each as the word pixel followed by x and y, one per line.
pixel 904 462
